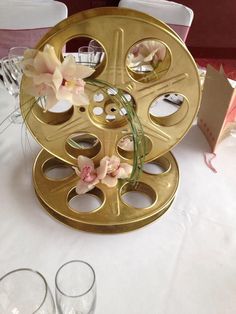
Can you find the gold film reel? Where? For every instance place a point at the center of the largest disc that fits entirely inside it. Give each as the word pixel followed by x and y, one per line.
pixel 117 30
pixel 114 30
pixel 114 214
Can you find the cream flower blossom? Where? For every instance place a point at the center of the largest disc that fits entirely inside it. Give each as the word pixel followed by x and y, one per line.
pixel 149 51
pixel 126 144
pixel 110 170
pixel 47 76
pixel 87 174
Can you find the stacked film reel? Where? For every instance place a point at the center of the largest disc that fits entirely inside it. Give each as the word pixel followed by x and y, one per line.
pixel 104 125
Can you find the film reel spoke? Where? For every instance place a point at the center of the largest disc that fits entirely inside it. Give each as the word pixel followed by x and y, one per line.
pixel 155 132
pixel 115 68
pixel 109 149
pixel 64 130
pixel 113 201
pixel 171 83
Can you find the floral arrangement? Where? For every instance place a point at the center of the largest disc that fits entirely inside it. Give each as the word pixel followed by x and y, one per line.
pixel 127 144
pixel 49 78
pixel 148 52
pixel 108 172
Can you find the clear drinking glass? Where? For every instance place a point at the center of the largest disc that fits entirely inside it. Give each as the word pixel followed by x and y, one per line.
pixel 16 56
pixel 85 55
pixel 16 51
pixel 9 81
pixel 75 288
pixel 12 71
pixel 12 84
pixel 25 291
pixel 98 52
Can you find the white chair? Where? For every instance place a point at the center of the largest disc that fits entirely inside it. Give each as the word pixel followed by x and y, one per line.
pixel 177 16
pixel 24 22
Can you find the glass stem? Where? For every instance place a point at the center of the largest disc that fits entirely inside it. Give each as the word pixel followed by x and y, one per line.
pixel 16 116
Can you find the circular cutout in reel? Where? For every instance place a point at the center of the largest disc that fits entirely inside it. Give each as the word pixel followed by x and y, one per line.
pixel 114 28
pixel 114 212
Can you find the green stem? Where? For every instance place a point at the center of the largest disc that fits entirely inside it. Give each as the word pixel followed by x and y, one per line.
pixel 135 126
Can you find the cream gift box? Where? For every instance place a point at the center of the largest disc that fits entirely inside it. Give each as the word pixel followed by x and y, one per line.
pixel 217 114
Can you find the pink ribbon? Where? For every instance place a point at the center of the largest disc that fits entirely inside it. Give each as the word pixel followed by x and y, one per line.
pixel 208 157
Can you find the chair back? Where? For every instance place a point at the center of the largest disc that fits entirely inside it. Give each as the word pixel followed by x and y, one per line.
pixel 177 16
pixel 23 23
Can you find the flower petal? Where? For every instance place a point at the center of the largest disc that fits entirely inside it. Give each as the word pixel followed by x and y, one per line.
pixel 64 93
pixel 77 171
pixel 51 59
pixel 110 181
pixel 67 68
pixel 161 52
pixel 124 171
pixel 83 71
pixel 30 54
pixel 45 78
pixel 84 161
pixel 51 100
pixel 57 78
pixel 150 56
pixel 83 187
pixel 72 71
pixel 102 169
pixel 40 63
pixel 80 99
pixel 127 144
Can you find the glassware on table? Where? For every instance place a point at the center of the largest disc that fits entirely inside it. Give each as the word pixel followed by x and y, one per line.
pixel 16 56
pixel 25 291
pixel 86 55
pixel 94 44
pixel 17 51
pixel 98 52
pixel 12 84
pixel 75 288
pixel 11 71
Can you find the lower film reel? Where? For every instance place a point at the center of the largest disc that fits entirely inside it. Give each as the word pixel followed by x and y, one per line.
pixel 112 208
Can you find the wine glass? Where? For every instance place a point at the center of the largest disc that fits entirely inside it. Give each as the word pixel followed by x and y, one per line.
pixel 12 86
pixel 75 288
pixel 12 70
pixel 25 291
pixel 16 56
pixel 98 52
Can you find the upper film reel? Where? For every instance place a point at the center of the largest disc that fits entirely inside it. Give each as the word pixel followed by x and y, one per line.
pixel 118 30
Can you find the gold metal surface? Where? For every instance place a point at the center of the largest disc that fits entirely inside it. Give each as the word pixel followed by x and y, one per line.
pixel 114 215
pixel 117 30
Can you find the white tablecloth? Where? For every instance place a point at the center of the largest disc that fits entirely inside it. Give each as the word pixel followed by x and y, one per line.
pixel 183 263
